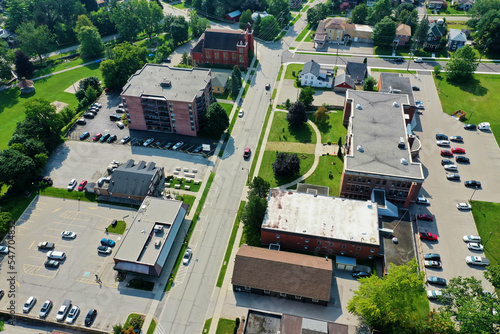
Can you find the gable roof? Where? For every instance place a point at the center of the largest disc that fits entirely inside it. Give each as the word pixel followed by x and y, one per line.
pixel 357 71
pixel 436 30
pixel 284 272
pixel 234 14
pixel 403 30
pixel 311 67
pixel 457 35
pixel 220 80
pixel 343 78
pixel 219 39
pixel 132 179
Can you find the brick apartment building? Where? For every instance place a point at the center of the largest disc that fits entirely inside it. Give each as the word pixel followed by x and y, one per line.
pixel 168 99
pixel 321 224
pixel 224 47
pixel 379 152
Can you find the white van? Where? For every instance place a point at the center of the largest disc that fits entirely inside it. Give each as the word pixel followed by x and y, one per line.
pixel 55 255
pixel 484 126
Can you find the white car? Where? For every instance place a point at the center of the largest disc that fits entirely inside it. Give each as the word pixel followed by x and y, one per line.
pixel 452 168
pixel 68 234
pixel 418 60
pixel 463 206
pixel 178 145
pixel 29 304
pixel 187 257
pixel 475 246
pixel 419 104
pixel 148 142
pixel 443 143
pixel 4 250
pixel 72 184
pixel 44 311
pixel 472 238
pixel 241 113
pixel 73 314
pixel 422 200
pixel 434 294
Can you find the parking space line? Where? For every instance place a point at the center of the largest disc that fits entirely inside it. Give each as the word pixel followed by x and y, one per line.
pixel 56 210
pixel 31 244
pixel 104 322
pixel 36 257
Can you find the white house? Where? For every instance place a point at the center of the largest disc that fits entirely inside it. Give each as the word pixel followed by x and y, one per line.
pixel 312 75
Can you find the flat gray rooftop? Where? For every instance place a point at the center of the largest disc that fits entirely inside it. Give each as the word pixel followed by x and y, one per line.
pixel 376 129
pixel 185 82
pixel 331 217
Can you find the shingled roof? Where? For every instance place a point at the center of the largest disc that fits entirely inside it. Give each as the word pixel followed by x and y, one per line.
pixel 219 39
pixel 132 179
pixel 311 67
pixel 283 272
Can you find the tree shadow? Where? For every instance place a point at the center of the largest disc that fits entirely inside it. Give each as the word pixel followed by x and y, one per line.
pixel 301 133
pixel 472 86
pixel 9 98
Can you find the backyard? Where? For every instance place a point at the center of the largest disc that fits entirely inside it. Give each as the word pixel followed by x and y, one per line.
pixel 328 165
pixel 332 130
pixel 266 168
pixel 486 218
pixel 280 131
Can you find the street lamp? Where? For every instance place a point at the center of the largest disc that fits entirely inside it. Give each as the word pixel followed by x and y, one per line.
pixel 471 113
pixel 488 239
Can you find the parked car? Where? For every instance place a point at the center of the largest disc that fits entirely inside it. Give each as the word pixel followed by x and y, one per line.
pixel 68 235
pixel 73 314
pixel 415 88
pixel 360 274
pixel 112 138
pixel 418 60
pixel 4 249
pixel 97 137
pixel 470 126
pixel 46 307
pixel 46 245
pixel 120 110
pixel 472 184
pixel 458 139
pixel 440 136
pixel 107 242
pixel 436 280
pixel 56 255
pixel 120 125
pixel 82 185
pixel 177 146
pixel 52 263
pixel 104 249
pixel 422 200
pixel 458 150
pixel 483 126
pixel 432 257
pixel 72 184
pixel 81 121
pixel 114 117
pixel 91 315
pixel 477 260
pixel 471 238
pixel 453 177
pixel 98 105
pixel 475 246
pixel 268 86
pixel 423 216
pixel 187 257
pixel 419 104
pixel 63 311
pixel 434 294
pixel 241 113
pixel 125 139
pixel 432 264
pixel 443 143
pixel 104 138
pixel 463 206
pixel 88 115
pixel 198 149
pixel 169 145
pixel 84 135
pixel 246 153
pixel 29 304
pixel 399 60
pixel 452 168
pixel 446 153
pixel 462 159
pixel 428 236
pixel 446 162
pixel 148 142
pixel 109 90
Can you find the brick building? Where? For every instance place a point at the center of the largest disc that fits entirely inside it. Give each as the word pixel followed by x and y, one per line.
pixel 161 98
pixel 224 47
pixel 379 150
pixel 321 224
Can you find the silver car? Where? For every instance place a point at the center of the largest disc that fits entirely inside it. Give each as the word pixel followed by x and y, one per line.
pixel 472 238
pixel 47 306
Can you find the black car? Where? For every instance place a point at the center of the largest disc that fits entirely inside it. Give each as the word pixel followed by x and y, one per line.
pixel 440 136
pixel 112 138
pixel 458 139
pixel 360 274
pixel 462 159
pixel 470 127
pixel 90 317
pixel 432 257
pixel 399 60
pixel 415 88
pixel 268 86
pixel 472 184
pixel 88 115
pixel 81 121
pixel 436 280
pixel 114 117
pixel 445 162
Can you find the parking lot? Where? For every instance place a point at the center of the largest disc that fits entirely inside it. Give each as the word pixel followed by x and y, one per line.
pixel 75 279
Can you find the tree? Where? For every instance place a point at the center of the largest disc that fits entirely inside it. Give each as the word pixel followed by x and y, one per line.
pixel 420 35
pixel 16 169
pixel 90 5
pixel 91 94
pixel 198 25
pixel 317 13
pixel 306 96
pixel 23 66
pixel 296 115
pixel 35 41
pixel 257 26
pixel 235 81
pixel 91 44
pixel 286 165
pixel 359 14
pixel 93 82
pixel 102 20
pixel 30 146
pixel 269 28
pixel 280 9
pixel 83 21
pixel 245 18
pixel 471 308
pixel 254 212
pixel 492 274
pixel 254 5
pixel 258 187
pixel 462 65
pixel 437 70
pixel 321 116
pixel 117 329
pixel 404 6
pixel 384 32
pixel 18 12
pixel 369 84
pixel 380 9
pixel 127 59
pixel 6 61
pixel 344 7
pixel 149 14
pixel 126 21
pixel 5 222
pixel 288 104
pixel 179 29
pixel 488 30
pixel 216 120
pixel 388 303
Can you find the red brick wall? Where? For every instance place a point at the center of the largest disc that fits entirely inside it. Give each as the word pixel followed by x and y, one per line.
pixel 134 107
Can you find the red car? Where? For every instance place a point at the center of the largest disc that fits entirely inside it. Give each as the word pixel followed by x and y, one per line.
pixel 423 216
pixel 109 90
pixel 82 185
pixel 458 150
pixel 428 236
pixel 97 137
pixel 446 153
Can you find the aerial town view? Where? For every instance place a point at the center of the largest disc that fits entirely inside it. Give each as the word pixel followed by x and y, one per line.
pixel 249 166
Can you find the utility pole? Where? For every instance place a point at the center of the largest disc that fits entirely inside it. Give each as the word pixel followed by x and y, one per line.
pixel 337 57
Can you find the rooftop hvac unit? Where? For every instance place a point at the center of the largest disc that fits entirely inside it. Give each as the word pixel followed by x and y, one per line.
pixel 358 106
pixel 360 148
pixel 404 161
pixel 395 104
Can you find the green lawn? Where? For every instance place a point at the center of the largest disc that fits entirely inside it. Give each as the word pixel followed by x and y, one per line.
pixel 65 194
pixel 457 25
pixel 119 228
pixel 321 176
pixel 224 96
pixel 486 218
pixel 51 89
pixel 259 144
pixel 192 187
pixel 129 318
pixel 152 327
pixel 266 168
pixel 62 66
pixel 392 71
pixel 293 67
pixel 422 305
pixel 280 131
pixel 480 95
pixel 227 107
pixel 206 328
pixel 226 326
pixel 302 34
pixel 310 37
pixel 333 129
pixel 449 11
pixel 182 5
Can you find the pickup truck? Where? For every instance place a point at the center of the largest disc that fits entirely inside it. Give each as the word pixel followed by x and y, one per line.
pixel 477 260
pixel 46 245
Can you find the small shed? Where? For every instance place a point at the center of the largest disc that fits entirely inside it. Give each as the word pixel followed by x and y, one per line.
pixel 26 86
pixel 234 16
pixel 219 83
pixel 345 263
pixel 343 82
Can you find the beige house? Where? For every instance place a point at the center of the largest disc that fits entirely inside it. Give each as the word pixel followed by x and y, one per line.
pixel 331 30
pixel 359 33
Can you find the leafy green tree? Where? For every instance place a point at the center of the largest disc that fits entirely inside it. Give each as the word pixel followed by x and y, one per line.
pixel 296 115
pixel 492 274
pixel 488 30
pixel 91 94
pixel 280 9
pixel 23 66
pixel 18 12
pixel 127 59
pixel 82 21
pixel 481 7
pixel 321 116
pixel 102 20
pixel 317 13
pixel 254 212
pixel 149 14
pixel 462 65
pixel 254 5
pixel 359 14
pixel 6 61
pixel 117 329
pixel 90 5
pixel 35 41
pixel 40 160
pixel 306 96
pixel 126 21
pixel 179 30
pixel 216 119
pixel 257 25
pixel 91 44
pixel 5 222
pixel 437 70
pixel 93 82
pixel 16 169
pixel 438 322
pixel 411 20
pixel 245 17
pixel 197 24
pixel 404 6
pixel 286 165
pixel 369 84
pixel 258 187
pixel 269 28
pixel 380 9
pixel 420 35
pixel 235 81
pixel 384 32
pixel 67 115
pixel 30 146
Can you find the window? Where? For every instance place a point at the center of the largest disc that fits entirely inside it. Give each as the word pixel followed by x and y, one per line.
pixel 392 184
pixel 234 56
pixel 372 250
pixel 314 300
pixel 329 250
pixel 383 183
pixel 216 55
pixel 173 115
pixel 331 244
pixel 248 288
pixel 319 242
pixel 225 56
pixel 190 106
pixel 358 248
pixel 282 294
pixel 318 249
pixel 305 247
pixel 241 50
pixel 242 59
pixel 298 297
pixel 277 236
pixel 356 255
pixel 307 241
pixel 207 54
pixel 342 253
pixel 398 184
pixel 267 292
pixel 370 257
pixel 344 246
pixel 191 117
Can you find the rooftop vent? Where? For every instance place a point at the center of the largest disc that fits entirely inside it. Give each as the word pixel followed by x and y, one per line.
pixel 360 148
pixel 395 104
pixel 165 83
pixel 358 106
pixel 404 161
pixel 401 143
